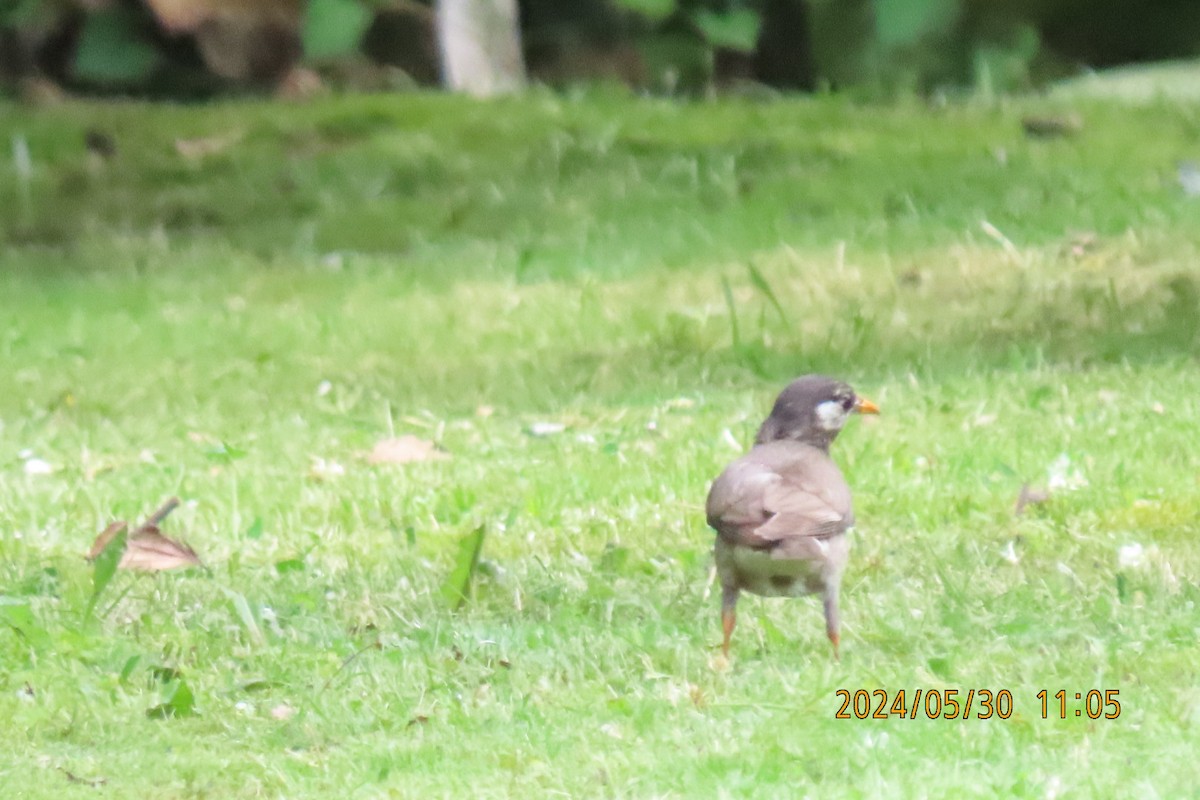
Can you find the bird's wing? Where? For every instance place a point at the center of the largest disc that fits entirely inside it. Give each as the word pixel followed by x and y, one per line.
pixel 779 492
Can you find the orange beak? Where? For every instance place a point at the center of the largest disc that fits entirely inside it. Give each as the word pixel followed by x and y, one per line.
pixel 865 406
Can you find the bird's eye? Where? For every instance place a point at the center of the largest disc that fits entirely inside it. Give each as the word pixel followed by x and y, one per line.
pixel 847 402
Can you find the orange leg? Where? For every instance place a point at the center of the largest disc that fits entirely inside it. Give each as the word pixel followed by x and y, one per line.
pixel 729 598
pixel 832 626
pixel 728 620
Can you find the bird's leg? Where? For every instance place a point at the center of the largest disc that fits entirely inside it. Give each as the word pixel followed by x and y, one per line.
pixel 832 628
pixel 729 598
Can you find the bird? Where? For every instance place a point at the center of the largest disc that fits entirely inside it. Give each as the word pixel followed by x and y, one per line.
pixel 781 512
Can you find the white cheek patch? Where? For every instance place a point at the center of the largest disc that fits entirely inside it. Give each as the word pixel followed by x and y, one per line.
pixel 831 416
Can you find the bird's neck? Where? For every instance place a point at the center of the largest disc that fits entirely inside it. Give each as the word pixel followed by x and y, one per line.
pixel 812 437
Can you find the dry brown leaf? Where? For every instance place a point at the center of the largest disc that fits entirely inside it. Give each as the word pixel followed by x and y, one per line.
pixel 147 549
pixel 405 449
pixel 1030 496
pixel 105 537
pixel 205 146
pixel 283 712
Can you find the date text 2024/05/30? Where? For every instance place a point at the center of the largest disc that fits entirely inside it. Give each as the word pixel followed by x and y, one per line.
pixel 962 703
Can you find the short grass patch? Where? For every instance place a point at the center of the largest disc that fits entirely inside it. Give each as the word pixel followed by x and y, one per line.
pixel 586 303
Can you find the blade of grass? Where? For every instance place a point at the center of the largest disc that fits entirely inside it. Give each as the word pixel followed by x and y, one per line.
pixel 104 568
pixel 763 286
pixel 733 320
pixel 454 589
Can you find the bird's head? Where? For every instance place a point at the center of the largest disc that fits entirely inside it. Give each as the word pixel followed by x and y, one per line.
pixel 812 410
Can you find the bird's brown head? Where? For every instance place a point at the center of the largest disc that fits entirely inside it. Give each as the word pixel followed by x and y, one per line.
pixel 812 410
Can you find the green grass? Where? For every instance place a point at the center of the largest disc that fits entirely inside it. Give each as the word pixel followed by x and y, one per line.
pixel 371 266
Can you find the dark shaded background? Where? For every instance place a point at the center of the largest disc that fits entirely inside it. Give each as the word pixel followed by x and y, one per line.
pixel 669 46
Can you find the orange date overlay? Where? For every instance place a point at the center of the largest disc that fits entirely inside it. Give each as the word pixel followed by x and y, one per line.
pixel 972 704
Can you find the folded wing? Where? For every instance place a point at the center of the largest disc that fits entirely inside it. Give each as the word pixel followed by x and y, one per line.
pixel 779 492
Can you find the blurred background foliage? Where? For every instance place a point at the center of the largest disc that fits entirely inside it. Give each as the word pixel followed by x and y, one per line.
pixel 197 48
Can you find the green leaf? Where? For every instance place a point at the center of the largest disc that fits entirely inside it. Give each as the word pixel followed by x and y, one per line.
pixel 127 670
pixel 655 10
pixel 255 531
pixel 734 30
pixel 904 22
pixel 454 589
pixel 289 565
pixel 180 702
pixel 614 558
pixel 16 614
pixel 105 567
pixel 110 49
pixel 334 28
pixel 224 453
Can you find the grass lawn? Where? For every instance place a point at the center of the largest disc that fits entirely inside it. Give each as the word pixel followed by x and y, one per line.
pixel 240 322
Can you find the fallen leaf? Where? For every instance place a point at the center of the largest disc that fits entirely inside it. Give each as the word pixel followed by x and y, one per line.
pixel 405 449
pixel 149 550
pixel 105 537
pixel 283 712
pixel 202 147
pixel 145 548
pixel 1030 496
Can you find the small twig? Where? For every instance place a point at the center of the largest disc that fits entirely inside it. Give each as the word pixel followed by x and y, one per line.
pixel 92 782
pixel 162 513
pixel 347 661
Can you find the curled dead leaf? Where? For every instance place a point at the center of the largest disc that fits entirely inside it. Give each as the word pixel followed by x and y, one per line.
pixel 147 548
pixel 1030 496
pixel 405 449
pixel 105 537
